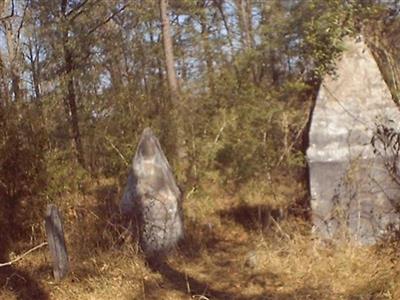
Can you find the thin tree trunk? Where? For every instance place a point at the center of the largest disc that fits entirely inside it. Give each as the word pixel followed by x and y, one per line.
pixel 71 100
pixel 207 53
pixel 33 57
pixel 176 100
pixel 244 11
pixel 219 5
pixel 70 97
pixel 182 61
pixel 169 53
pixel 155 63
pixel 243 7
pixel 13 57
pixel 115 74
pixel 4 94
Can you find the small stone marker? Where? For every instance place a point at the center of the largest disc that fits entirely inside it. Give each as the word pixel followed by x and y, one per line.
pixel 55 238
pixel 350 188
pixel 152 195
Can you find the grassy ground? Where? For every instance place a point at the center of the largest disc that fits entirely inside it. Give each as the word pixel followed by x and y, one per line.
pixel 241 246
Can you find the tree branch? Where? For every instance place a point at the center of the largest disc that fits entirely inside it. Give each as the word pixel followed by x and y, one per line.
pixel 22 21
pixel 118 151
pixel 79 6
pixel 18 258
pixel 108 19
pixel 11 14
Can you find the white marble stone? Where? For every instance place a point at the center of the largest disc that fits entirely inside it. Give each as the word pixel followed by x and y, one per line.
pixel 350 187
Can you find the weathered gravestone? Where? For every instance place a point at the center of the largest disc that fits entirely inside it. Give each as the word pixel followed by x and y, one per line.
pixel 153 198
pixel 56 241
pixel 351 190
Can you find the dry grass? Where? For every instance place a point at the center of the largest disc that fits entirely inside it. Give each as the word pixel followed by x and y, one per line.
pixel 240 247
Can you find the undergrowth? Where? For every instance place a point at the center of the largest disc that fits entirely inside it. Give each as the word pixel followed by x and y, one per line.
pixel 251 244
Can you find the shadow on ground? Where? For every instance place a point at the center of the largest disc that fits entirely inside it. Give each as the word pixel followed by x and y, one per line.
pixel 197 289
pixel 202 242
pixel 186 284
pixel 21 284
pixel 14 238
pixel 18 282
pixel 256 217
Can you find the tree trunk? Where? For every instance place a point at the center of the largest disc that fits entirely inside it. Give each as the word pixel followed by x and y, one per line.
pixel 4 95
pixel 244 7
pixel 13 56
pixel 220 8
pixel 33 57
pixel 244 12
pixel 176 100
pixel 207 53
pixel 169 53
pixel 156 63
pixel 70 96
pixel 71 100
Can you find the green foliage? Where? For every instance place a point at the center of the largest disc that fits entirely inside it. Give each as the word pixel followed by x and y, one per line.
pixel 323 25
pixel 259 130
pixel 66 176
pixel 245 107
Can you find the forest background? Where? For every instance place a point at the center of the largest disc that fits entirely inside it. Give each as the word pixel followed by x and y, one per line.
pixel 228 87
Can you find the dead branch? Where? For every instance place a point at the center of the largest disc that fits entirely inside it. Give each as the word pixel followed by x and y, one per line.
pixel 108 19
pixel 287 150
pixel 118 151
pixel 220 131
pixel 18 258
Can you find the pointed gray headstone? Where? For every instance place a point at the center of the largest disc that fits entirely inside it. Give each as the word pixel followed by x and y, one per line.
pixel 152 195
pixel 56 241
pixel 351 190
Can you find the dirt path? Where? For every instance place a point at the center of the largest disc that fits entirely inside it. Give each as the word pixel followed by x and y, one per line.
pixel 225 264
